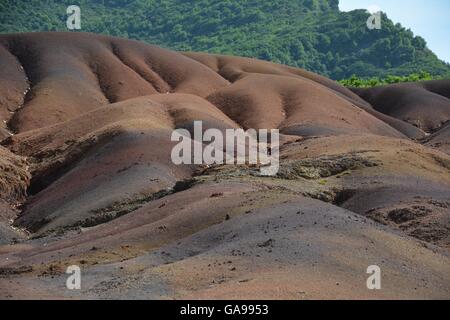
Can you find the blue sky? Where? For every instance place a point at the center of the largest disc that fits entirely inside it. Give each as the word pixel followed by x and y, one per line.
pixel 429 19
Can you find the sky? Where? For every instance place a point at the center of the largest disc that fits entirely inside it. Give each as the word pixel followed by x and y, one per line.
pixel 429 19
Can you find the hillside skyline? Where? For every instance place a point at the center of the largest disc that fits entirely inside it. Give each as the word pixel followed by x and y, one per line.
pixel 310 34
pixel 428 19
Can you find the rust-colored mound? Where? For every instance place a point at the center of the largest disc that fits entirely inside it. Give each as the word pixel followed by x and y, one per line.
pixel 87 178
pixel 70 74
pixel 124 144
pixel 425 105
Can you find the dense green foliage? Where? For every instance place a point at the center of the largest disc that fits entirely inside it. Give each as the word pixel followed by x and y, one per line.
pixel 356 82
pixel 311 34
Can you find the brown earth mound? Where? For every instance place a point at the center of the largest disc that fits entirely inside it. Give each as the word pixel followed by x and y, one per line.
pixel 425 105
pixel 87 178
pixel 440 140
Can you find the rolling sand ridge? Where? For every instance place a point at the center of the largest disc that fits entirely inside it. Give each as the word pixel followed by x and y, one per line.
pixel 87 179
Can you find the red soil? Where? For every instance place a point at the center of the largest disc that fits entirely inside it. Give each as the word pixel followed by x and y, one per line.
pixel 87 121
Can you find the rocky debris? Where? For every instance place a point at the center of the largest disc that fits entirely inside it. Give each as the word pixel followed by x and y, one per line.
pixel 403 215
pixel 427 221
pixel 7 271
pixel 14 177
pixel 323 167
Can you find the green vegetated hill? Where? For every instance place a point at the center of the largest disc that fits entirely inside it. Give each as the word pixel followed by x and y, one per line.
pixel 311 34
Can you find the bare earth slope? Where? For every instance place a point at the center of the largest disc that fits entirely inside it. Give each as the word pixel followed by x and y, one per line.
pixel 425 105
pixel 87 178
